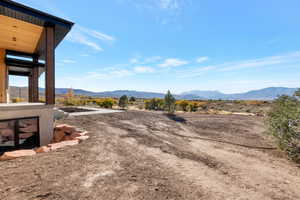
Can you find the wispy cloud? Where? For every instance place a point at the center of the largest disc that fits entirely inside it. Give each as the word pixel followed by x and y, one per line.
pixel 173 62
pixel 115 73
pixel 68 61
pixel 169 4
pixel 88 37
pixel 262 62
pixel 164 11
pixel 134 61
pixel 96 34
pixel 290 59
pixel 143 69
pixel 143 61
pixel 154 4
pixel 152 59
pixel 201 59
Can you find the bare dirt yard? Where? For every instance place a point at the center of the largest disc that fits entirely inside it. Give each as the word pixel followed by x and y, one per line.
pixel 146 155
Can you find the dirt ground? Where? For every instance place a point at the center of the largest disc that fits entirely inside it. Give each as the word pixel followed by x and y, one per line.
pixel 145 155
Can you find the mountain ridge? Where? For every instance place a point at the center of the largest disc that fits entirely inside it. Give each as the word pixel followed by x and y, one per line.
pixel 261 94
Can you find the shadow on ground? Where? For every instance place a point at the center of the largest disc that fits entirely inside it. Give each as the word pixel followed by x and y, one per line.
pixel 175 118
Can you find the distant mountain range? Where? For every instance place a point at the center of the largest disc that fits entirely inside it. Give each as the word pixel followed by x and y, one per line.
pixel 262 94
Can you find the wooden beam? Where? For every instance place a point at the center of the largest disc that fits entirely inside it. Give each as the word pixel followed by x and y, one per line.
pixel 3 77
pixel 33 81
pixel 50 65
pixel 19 54
pixel 22 63
pixel 17 73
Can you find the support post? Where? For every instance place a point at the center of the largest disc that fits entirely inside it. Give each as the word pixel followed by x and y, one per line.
pixel 33 81
pixel 30 88
pixel 3 78
pixel 50 65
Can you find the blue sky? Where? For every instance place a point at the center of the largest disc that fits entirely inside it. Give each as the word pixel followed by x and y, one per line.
pixel 156 45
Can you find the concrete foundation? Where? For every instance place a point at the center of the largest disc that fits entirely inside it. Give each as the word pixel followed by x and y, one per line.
pixel 24 110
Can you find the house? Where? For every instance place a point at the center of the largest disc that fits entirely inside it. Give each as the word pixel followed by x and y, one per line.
pixel 28 38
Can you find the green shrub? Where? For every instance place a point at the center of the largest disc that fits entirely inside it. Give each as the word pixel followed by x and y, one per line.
pixel 283 122
pixel 183 105
pixel 132 99
pixel 17 100
pixel 154 104
pixel 104 102
pixel 193 106
pixel 123 101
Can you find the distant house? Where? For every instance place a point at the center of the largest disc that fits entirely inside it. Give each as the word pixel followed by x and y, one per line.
pixel 28 39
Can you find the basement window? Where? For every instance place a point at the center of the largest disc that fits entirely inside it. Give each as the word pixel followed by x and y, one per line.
pixel 19 134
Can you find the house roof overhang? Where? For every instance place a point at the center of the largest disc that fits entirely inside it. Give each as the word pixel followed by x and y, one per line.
pixel 32 16
pixel 22 29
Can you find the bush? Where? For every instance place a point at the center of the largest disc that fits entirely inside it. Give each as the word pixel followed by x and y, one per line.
pixel 104 102
pixel 193 106
pixel 154 104
pixel 123 101
pixel 183 105
pixel 283 122
pixel 72 101
pixel 132 99
pixel 17 100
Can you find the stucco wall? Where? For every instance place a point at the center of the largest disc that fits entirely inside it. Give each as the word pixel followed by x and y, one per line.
pixel 44 112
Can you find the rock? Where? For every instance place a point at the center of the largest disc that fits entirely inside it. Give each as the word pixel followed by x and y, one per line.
pixel 17 154
pixel 66 128
pixel 58 135
pixel 82 138
pixel 84 133
pixel 67 138
pixel 43 149
pixel 63 144
pixel 78 134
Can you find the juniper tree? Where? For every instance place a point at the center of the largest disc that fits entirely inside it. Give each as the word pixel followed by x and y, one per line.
pixel 123 101
pixel 169 102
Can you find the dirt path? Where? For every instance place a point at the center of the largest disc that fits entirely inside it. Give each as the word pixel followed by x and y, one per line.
pixel 144 155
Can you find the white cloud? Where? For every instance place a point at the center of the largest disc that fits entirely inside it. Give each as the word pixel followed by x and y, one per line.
pixel 96 34
pixel 80 38
pixel 201 59
pixel 261 62
pixel 195 72
pixel 143 69
pixel 115 73
pixel 290 59
pixel 134 61
pixel 68 61
pixel 169 4
pixel 173 62
pixel 88 37
pixel 152 59
pixel 142 61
